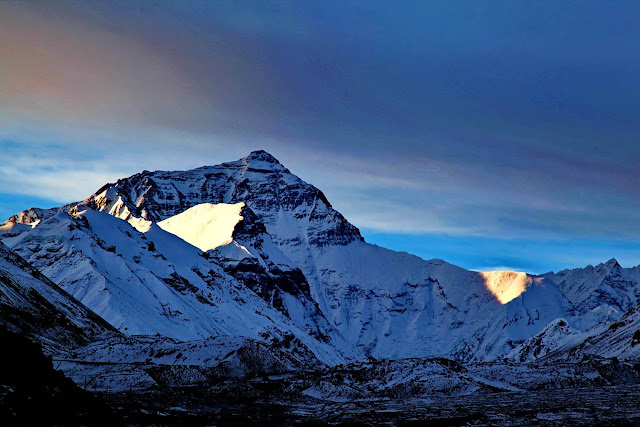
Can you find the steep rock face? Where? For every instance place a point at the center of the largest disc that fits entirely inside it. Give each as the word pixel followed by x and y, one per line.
pixel 253 259
pixel 37 308
pixel 382 303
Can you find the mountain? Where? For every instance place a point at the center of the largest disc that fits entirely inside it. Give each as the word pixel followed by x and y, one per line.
pixel 559 342
pixel 247 248
pixel 599 294
pixel 604 318
pixel 238 290
pixel 93 353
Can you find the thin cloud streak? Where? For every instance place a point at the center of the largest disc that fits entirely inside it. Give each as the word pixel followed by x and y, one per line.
pixel 511 122
pixel 67 181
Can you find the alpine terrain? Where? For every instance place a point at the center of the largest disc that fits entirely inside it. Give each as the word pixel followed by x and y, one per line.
pixel 245 272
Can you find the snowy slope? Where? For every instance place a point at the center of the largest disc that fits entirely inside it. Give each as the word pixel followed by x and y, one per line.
pixel 599 294
pixel 152 283
pixel 34 306
pixel 619 339
pixel 206 226
pixel 555 335
pixel 247 253
pixel 253 259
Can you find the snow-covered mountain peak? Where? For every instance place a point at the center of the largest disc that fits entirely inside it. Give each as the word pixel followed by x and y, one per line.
pixel 261 155
pixel 506 285
pixel 257 161
pixel 612 263
pixel 207 225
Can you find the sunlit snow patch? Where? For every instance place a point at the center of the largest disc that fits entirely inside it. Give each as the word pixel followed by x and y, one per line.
pixel 140 224
pixel 506 285
pixel 205 226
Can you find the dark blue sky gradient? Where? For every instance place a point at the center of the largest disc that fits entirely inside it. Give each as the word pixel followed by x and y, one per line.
pixel 490 133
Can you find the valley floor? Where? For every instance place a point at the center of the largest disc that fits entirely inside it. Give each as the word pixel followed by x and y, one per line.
pixel 373 392
pixel 616 405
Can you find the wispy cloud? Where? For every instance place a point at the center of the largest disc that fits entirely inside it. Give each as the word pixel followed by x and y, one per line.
pixel 62 180
pixel 475 121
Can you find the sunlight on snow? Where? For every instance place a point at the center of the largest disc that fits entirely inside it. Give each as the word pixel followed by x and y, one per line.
pixel 205 226
pixel 506 285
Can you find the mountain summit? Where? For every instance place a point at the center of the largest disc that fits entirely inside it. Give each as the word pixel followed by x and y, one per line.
pixel 262 156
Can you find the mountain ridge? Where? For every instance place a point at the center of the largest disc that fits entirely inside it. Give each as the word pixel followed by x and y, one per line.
pixel 32 305
pixel 369 300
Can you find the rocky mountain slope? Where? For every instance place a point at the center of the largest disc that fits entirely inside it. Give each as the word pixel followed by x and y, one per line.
pixel 601 293
pixel 35 307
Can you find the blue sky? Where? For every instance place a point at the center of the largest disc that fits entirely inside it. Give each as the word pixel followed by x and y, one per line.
pixel 490 134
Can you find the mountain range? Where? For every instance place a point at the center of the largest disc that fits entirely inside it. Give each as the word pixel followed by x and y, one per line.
pixel 175 277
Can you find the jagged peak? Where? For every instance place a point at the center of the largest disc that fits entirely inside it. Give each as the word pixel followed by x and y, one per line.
pixel 612 263
pixel 262 156
pixel 258 160
pixel 609 265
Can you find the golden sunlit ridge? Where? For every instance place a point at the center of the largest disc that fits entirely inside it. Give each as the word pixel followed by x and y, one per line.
pixel 506 285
